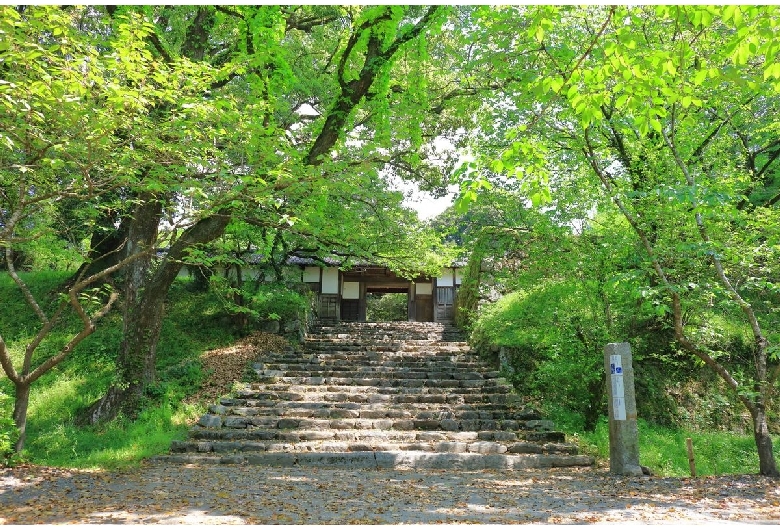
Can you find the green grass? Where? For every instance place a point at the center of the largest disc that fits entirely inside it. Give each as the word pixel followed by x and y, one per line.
pixel 194 323
pixel 117 444
pixel 663 450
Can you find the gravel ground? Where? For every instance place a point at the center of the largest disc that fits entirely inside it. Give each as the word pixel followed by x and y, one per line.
pixel 165 493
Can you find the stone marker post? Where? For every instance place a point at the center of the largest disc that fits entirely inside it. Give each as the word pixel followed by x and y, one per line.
pixel 623 431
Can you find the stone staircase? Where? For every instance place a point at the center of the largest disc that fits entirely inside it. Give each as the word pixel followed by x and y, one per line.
pixel 396 395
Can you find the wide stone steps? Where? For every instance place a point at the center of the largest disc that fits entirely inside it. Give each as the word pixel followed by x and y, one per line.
pixel 300 385
pixel 513 429
pixel 484 442
pixel 373 378
pixel 390 348
pixel 440 398
pixel 391 395
pixel 380 364
pixel 370 416
pixel 375 432
pixel 510 418
pixel 416 460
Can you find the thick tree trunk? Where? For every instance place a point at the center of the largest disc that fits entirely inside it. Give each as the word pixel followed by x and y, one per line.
pixel 105 248
pixel 131 368
pixel 136 360
pixel 21 403
pixel 766 457
pixel 144 311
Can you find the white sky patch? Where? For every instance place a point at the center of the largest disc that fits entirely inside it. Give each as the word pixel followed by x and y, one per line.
pixel 428 206
pixel 425 204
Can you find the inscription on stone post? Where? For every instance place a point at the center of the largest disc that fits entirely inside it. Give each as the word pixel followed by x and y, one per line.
pixel 623 431
pixel 618 387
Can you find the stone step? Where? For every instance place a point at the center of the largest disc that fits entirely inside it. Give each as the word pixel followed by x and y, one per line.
pixel 372 386
pixel 367 353
pixel 368 363
pixel 486 442
pixel 465 380
pixel 415 330
pixel 363 329
pixel 383 339
pixel 511 428
pixel 387 372
pixel 503 398
pixel 396 370
pixel 369 345
pixel 387 460
pixel 452 369
pixel 344 410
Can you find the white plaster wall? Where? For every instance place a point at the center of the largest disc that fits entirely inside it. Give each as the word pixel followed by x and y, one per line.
pixel 330 280
pixel 423 288
pixel 445 278
pixel 458 276
pixel 350 290
pixel 311 274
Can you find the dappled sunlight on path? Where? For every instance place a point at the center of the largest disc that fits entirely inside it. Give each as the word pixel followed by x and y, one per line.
pixel 225 494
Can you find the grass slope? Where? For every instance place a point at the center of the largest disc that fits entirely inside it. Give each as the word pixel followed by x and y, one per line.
pixel 195 327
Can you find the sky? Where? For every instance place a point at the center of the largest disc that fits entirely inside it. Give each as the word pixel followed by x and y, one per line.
pixel 427 206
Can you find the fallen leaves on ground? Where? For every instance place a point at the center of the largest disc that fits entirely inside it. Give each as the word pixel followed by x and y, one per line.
pixel 225 366
pixel 230 494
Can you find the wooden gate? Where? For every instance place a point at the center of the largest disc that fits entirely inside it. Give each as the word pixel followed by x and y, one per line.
pixel 350 310
pixel 329 306
pixel 445 304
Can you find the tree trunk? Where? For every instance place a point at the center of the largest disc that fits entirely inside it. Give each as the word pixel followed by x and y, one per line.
pixel 136 360
pixel 105 247
pixel 766 457
pixel 21 403
pixel 144 312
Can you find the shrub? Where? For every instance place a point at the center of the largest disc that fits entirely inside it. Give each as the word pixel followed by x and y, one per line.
pixel 552 339
pixel 8 431
pixel 386 307
pixel 277 301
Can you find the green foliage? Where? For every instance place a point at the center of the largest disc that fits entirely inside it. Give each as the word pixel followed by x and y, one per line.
pixel 663 450
pixel 278 302
pixel 662 114
pixel 387 307
pixel 194 323
pixel 552 348
pixel 260 301
pixel 8 431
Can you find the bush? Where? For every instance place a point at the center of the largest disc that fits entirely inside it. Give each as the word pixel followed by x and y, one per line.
pixel 552 340
pixel 277 301
pixel 259 303
pixel 8 431
pixel 386 307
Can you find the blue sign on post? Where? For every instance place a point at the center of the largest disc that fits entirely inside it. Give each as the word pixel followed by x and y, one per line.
pixel 623 439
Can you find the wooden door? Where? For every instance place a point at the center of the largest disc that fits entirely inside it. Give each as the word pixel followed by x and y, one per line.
pixel 423 308
pixel 445 304
pixel 350 310
pixel 329 307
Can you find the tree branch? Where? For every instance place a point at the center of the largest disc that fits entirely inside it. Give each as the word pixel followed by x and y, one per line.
pixel 677 312
pixel 353 91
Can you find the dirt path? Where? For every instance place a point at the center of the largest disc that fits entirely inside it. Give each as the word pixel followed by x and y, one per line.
pixel 172 494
